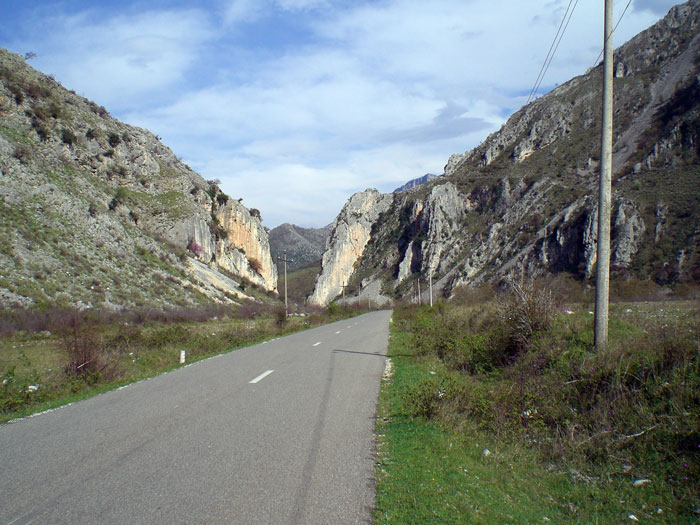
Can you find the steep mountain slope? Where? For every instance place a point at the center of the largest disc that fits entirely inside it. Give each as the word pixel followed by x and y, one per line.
pixel 524 201
pixel 99 213
pixel 303 245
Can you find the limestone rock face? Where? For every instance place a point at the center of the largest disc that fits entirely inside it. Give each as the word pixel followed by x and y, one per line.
pixel 436 221
pixel 245 251
pixel 350 234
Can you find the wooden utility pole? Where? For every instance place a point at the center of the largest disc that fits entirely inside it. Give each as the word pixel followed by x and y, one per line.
pixel 284 259
pixel 602 291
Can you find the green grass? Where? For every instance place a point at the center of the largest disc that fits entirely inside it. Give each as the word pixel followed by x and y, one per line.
pixel 437 419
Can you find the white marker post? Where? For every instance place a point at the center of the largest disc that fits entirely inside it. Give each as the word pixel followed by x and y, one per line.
pixel 182 356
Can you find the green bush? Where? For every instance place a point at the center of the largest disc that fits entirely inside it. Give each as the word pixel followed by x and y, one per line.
pixel 333 308
pixel 169 335
pixel 423 398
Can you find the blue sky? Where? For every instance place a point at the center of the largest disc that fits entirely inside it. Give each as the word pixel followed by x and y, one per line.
pixel 296 104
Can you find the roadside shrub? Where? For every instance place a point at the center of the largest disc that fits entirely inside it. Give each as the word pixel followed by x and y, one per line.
pixel 333 308
pixel 469 353
pixel 523 311
pixel 280 316
pixel 465 295
pixel 423 398
pixel 249 310
pixel 162 337
pixel 127 339
pixel 87 357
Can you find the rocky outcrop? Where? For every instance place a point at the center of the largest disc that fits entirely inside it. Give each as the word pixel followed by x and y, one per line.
pixel 351 232
pixel 245 250
pixel 436 222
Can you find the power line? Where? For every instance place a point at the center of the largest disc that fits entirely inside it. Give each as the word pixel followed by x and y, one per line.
pixel 548 53
pixel 613 31
pixel 553 48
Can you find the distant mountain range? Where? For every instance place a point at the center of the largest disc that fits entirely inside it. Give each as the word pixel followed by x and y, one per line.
pixel 303 245
pixel 416 182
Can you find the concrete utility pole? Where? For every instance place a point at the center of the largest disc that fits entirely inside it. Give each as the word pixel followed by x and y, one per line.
pixel 430 277
pixel 284 259
pixel 602 291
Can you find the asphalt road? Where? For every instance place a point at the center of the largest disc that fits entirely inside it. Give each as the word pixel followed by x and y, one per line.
pixel 281 432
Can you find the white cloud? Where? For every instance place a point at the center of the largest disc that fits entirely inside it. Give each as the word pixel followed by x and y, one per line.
pixel 296 104
pixel 123 61
pixel 658 7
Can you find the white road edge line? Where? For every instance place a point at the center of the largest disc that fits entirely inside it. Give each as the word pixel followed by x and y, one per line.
pixel 316 344
pixel 260 377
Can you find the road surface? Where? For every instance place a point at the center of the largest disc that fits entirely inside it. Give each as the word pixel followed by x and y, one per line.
pixel 281 432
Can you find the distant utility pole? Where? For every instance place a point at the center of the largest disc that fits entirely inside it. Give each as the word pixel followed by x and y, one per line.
pixel 284 259
pixel 602 291
pixel 430 280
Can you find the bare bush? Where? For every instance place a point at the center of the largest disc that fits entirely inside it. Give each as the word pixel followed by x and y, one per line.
pixel 524 310
pixel 88 357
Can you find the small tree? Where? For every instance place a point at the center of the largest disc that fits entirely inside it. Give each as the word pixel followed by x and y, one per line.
pixel 195 248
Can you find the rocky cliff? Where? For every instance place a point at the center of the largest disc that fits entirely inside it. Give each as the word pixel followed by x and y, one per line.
pixel 99 213
pixel 350 234
pixel 524 201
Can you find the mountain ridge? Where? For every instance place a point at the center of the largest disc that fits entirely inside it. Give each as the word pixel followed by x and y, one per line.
pixel 523 202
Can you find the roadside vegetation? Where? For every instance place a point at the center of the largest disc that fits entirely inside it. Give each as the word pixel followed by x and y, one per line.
pixel 499 409
pixel 54 356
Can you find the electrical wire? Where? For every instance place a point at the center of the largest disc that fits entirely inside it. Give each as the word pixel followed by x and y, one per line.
pixel 529 97
pixel 613 32
pixel 553 49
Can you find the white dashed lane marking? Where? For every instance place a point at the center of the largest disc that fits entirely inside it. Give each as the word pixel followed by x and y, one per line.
pixel 260 377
